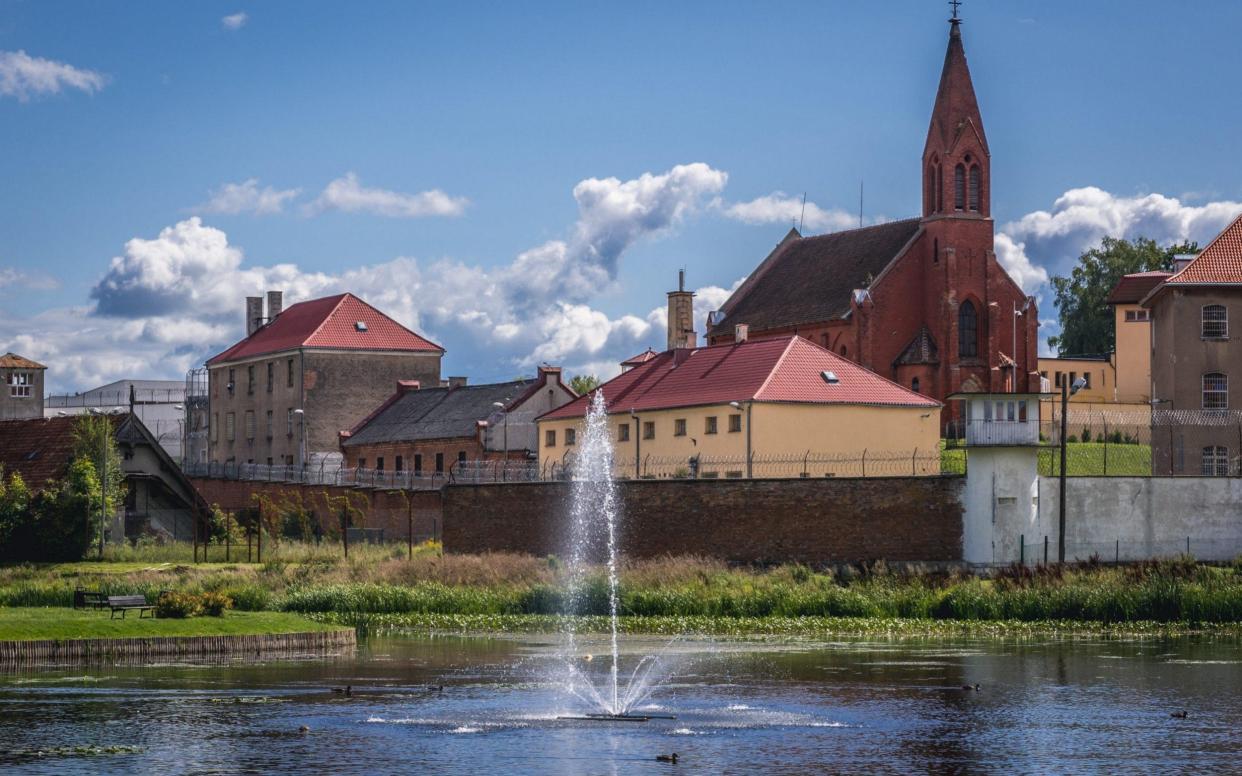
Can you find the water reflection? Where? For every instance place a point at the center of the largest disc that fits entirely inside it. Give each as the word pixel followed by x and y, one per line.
pixel 465 705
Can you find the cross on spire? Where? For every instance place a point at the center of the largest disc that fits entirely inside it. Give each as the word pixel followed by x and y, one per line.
pixel 955 4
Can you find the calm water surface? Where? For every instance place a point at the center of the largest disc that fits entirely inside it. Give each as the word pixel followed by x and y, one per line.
pixel 1045 706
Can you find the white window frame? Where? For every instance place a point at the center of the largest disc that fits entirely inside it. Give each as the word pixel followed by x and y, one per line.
pixel 20 385
pixel 1222 321
pixel 1221 391
pixel 1215 461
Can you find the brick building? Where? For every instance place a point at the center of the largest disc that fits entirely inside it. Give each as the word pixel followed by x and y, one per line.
pixel 923 301
pixel 1196 365
pixel 283 394
pixel 427 430
pixel 21 387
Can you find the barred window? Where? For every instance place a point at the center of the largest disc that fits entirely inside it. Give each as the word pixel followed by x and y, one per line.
pixel 1215 461
pixel 679 427
pixel 571 436
pixel 549 438
pixel 1215 391
pixel 648 429
pixel 250 379
pixel 710 425
pixel 271 375
pixel 230 426
pixel 623 432
pixel 269 424
pixel 250 424
pixel 735 423
pixel 1215 321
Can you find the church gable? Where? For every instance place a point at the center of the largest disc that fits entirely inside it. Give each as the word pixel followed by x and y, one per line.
pixel 921 350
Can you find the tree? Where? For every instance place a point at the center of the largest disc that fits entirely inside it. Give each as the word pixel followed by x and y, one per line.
pixel 94 439
pixel 1085 317
pixel 56 524
pixel 584 384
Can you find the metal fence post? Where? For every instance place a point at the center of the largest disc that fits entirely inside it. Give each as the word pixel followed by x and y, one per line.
pixel 1045 549
pixel 1021 549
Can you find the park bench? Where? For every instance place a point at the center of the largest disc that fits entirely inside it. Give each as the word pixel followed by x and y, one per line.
pixel 89 599
pixel 123 603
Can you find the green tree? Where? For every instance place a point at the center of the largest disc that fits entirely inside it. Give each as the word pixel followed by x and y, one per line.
pixel 583 384
pixel 94 439
pixel 56 524
pixel 1085 317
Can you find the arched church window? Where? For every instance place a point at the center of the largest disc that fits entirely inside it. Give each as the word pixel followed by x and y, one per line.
pixel 914 385
pixel 967 330
pixel 939 189
pixel 974 187
pixel 959 187
pixel 936 251
pixel 931 188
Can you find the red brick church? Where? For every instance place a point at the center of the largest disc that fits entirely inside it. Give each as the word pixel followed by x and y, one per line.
pixel 922 301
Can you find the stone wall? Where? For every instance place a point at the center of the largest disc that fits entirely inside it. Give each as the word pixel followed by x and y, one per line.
pixel 385 509
pixel 817 521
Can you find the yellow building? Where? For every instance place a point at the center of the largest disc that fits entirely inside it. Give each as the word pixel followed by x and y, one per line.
pixel 781 407
pixel 1132 324
pixel 1099 372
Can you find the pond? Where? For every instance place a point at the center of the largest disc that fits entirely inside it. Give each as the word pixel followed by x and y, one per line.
pixel 455 704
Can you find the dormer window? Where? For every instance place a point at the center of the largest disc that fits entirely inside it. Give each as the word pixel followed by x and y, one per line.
pixel 360 326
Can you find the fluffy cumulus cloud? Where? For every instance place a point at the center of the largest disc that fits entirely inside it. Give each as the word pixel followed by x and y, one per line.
pixel 781 208
pixel 169 300
pixel 347 194
pixel 23 76
pixel 235 21
pixel 247 197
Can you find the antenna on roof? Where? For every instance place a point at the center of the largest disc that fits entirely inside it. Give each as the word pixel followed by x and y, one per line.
pixel 860 202
pixel 802 218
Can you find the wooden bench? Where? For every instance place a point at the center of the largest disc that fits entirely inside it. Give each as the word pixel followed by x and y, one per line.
pixel 89 599
pixel 123 603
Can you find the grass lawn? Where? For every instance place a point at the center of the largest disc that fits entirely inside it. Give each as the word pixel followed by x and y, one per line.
pixel 22 624
pixel 1096 459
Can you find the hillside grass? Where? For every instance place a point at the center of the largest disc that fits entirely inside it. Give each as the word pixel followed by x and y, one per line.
pixel 1097 459
pixel 38 623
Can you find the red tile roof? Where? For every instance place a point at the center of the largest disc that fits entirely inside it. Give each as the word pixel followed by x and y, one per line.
pixel 1219 262
pixel 1133 287
pixel 330 322
pixel 782 369
pixel 641 358
pixel 39 449
pixel 14 361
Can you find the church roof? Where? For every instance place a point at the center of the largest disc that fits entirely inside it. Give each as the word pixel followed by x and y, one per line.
pixel 956 108
pixel 809 279
pixel 921 350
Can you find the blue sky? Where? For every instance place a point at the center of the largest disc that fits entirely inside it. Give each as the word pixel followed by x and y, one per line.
pixel 521 182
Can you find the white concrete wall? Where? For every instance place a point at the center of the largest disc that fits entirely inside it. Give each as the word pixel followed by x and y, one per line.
pixel 1002 503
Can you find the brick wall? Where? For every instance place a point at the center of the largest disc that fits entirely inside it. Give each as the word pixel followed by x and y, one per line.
pixel 381 509
pixel 745 521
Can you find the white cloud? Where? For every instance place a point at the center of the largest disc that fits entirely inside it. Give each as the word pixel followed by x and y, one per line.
pixel 1012 256
pixel 349 195
pixel 247 197
pixel 781 208
pixel 235 21
pixel 12 278
pixel 23 76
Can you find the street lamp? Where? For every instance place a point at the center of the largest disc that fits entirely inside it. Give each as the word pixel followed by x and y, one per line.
pixel 1066 392
pixel 738 406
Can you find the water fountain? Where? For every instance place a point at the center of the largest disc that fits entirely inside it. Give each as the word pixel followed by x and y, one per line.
pixel 593 532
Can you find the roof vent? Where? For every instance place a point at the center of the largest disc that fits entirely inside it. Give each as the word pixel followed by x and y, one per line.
pixel 360 325
pixel 830 377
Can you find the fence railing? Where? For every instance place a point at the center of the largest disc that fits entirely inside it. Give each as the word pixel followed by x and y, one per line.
pixel 320 475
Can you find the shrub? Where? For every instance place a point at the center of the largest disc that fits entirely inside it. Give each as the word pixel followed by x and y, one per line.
pixel 214 604
pixel 248 597
pixel 177 605
pixel 1086 435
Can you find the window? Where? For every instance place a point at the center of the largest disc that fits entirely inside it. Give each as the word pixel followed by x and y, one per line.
pixel 289 421
pixel 679 427
pixel 250 430
pixel 1022 410
pixel 710 427
pixel 735 423
pixel 1136 315
pixel 1086 380
pixel 936 251
pixel 1215 391
pixel 250 379
pixel 571 437
pixel 931 188
pixel 1060 379
pixel 1043 375
pixel 379 464
pixel 399 464
pixel 914 385
pixel 19 384
pixel 648 429
pixel 623 432
pixel 418 464
pixel 939 188
pixel 362 463
pixel 269 424
pixel 271 375
pixel 289 373
pixel 215 427
pixel 461 456
pixel 549 438
pixel 959 188
pixel 230 426
pixel 823 340
pixel 975 179
pixel 439 463
pixel 1215 461
pixel 232 384
pixel 269 461
pixel 845 351
pixel 1215 322
pixel 967 331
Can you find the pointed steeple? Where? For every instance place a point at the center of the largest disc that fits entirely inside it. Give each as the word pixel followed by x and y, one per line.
pixel 955 138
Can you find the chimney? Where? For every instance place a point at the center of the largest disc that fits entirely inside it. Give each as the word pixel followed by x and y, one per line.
pixel 680 355
pixel 681 316
pixel 405 386
pixel 549 373
pixel 457 382
pixel 1180 260
pixel 254 314
pixel 741 333
pixel 275 304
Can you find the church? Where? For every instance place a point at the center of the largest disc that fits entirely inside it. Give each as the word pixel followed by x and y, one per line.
pixel 922 301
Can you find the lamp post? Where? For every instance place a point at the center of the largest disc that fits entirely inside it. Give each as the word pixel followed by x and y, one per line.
pixel 738 406
pixel 1066 392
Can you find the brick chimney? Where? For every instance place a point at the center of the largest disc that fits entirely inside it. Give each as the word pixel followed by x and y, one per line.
pixel 275 304
pixel 741 333
pixel 254 314
pixel 681 316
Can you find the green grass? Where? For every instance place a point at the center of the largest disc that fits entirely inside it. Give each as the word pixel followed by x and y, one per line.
pixel 1096 459
pixel 23 624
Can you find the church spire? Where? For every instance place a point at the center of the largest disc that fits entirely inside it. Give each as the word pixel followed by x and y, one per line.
pixel 956 159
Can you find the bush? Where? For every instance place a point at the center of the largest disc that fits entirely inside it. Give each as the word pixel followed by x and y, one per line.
pixel 214 604
pixel 248 597
pixel 177 605
pixel 1086 435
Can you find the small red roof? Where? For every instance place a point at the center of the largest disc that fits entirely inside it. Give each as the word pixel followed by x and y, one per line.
pixel 14 361
pixel 782 369
pixel 641 358
pixel 1133 287
pixel 330 322
pixel 1219 262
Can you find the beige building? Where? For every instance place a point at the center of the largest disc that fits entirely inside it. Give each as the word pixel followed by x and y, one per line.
pixel 1197 362
pixel 782 407
pixel 21 388
pixel 1132 325
pixel 282 395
